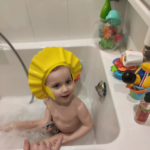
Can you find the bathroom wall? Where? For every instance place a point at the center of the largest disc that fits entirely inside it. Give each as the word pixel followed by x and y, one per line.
pixel 50 20
pixel 136 28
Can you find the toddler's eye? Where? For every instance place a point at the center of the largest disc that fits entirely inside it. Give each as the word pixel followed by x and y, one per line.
pixel 68 81
pixel 56 86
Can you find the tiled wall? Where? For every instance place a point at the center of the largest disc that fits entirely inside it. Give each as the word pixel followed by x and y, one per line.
pixel 50 20
pixel 136 28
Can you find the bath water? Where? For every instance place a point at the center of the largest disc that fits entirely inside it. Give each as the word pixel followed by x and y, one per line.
pixel 18 109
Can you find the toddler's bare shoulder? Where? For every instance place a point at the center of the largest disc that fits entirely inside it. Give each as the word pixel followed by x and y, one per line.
pixel 78 102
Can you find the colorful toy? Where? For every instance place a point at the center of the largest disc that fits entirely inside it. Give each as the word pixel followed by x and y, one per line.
pixel 77 78
pixel 105 10
pixel 44 62
pixel 118 68
pixel 137 92
pixel 107 43
pixel 109 34
pixel 114 18
pixel 138 82
pixel 119 37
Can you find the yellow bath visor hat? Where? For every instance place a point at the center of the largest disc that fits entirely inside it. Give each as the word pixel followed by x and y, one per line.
pixel 44 62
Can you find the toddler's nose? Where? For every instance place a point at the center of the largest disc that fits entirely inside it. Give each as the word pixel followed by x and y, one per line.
pixel 65 89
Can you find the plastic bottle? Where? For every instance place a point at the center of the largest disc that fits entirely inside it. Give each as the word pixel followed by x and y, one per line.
pixel 143 110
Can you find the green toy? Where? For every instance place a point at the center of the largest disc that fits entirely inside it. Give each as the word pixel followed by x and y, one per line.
pixel 107 43
pixel 105 10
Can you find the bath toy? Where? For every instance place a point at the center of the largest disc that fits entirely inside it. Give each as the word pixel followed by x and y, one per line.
pixel 138 82
pixel 136 92
pixel 107 43
pixel 116 73
pixel 105 10
pixel 118 68
pixel 44 62
pixel 110 31
pixel 140 78
pixel 100 33
pixel 121 67
pixel 113 15
pixel 50 124
pixel 77 78
pixel 114 18
pixel 119 37
pixel 81 64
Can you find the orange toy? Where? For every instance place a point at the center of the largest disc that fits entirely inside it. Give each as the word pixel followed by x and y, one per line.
pixel 77 78
pixel 121 67
pixel 109 31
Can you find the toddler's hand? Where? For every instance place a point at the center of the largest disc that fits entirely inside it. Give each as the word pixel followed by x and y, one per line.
pixel 7 127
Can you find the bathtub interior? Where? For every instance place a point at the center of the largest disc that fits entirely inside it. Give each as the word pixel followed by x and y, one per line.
pixel 15 93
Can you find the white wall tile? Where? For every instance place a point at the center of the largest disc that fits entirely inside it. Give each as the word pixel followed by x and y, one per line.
pixel 136 27
pixel 14 21
pixel 83 14
pixel 121 8
pixel 49 19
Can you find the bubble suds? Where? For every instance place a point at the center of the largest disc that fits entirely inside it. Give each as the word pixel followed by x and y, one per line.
pixel 18 109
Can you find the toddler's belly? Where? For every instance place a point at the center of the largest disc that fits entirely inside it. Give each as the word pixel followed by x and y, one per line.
pixel 67 127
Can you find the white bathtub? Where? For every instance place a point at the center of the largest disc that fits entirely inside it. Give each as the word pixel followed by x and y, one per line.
pixel 111 121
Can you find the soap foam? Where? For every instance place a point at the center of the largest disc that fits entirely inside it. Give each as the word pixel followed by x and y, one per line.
pixel 18 109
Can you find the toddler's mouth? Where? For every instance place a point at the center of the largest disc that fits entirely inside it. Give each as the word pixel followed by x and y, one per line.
pixel 66 96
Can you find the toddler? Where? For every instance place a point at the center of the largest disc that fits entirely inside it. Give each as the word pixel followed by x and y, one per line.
pixel 67 113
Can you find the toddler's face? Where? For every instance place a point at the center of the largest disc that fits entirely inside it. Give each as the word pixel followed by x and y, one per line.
pixel 61 84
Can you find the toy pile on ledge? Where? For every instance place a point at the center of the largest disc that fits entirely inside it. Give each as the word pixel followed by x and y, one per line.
pixel 138 82
pixel 137 78
pixel 118 68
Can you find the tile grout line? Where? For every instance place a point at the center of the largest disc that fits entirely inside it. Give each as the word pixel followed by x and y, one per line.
pixel 30 20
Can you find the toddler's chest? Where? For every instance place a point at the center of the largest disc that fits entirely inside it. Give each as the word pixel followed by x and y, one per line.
pixel 65 115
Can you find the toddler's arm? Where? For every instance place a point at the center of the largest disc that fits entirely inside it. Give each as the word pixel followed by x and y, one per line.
pixel 28 124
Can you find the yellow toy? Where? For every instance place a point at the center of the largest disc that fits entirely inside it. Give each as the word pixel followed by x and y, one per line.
pixel 140 78
pixel 44 62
